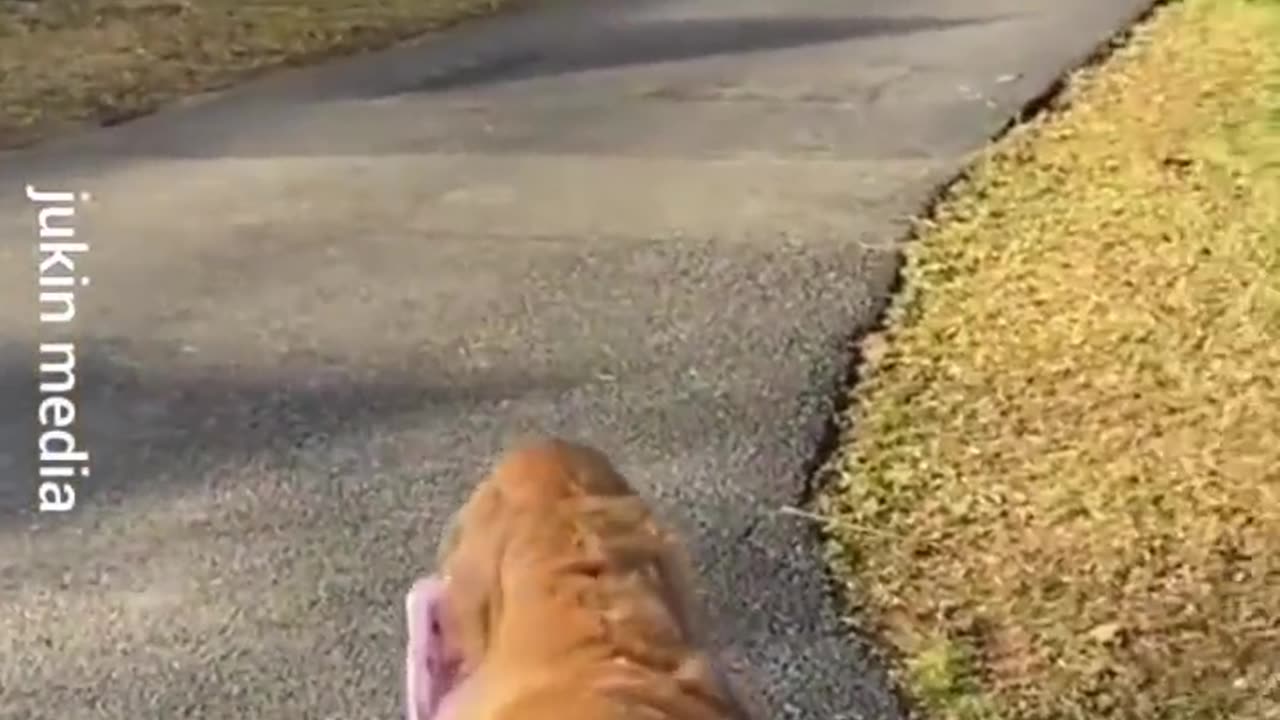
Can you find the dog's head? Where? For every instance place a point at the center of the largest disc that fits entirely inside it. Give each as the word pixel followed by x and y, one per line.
pixel 452 614
pixel 528 484
pixel 550 511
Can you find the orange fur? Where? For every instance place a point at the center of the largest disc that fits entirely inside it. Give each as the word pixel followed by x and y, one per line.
pixel 569 601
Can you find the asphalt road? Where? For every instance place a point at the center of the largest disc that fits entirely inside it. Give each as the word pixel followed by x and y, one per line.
pixel 321 303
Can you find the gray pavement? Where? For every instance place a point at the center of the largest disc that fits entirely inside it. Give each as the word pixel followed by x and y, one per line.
pixel 322 302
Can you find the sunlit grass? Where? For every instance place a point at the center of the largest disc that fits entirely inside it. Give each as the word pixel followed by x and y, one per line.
pixel 64 62
pixel 1067 445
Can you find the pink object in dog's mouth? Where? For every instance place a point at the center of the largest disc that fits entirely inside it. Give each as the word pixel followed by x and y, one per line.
pixel 431 667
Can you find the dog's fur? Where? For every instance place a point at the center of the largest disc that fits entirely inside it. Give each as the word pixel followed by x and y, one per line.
pixel 563 599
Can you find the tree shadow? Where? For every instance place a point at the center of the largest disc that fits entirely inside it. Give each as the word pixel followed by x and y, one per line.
pixel 658 41
pixel 246 121
pixel 150 428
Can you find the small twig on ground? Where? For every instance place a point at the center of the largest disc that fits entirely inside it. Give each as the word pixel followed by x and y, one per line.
pixel 829 520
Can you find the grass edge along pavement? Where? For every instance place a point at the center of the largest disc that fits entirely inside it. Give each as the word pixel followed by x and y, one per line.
pixel 1058 489
pixel 73 63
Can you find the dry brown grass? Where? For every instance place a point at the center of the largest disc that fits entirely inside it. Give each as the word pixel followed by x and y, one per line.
pixel 67 62
pixel 1060 492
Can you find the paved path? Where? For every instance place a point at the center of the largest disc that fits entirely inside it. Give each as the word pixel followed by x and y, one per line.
pixel 319 305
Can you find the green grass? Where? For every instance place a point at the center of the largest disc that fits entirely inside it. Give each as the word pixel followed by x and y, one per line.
pixel 1059 492
pixel 69 62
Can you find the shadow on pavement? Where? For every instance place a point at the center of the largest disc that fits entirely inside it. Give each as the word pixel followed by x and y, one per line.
pixel 152 426
pixel 663 41
pixel 255 120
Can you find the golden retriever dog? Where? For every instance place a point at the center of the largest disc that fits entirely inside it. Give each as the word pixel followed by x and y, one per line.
pixel 560 597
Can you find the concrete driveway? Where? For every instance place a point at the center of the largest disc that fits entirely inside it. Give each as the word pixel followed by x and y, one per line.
pixel 321 303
